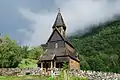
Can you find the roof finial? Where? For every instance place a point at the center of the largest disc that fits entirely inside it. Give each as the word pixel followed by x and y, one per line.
pixel 58 10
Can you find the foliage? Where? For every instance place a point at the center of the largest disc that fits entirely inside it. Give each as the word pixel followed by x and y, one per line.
pixel 32 52
pixel 10 53
pixel 28 63
pixel 99 49
pixel 65 65
pixel 35 52
pixel 25 51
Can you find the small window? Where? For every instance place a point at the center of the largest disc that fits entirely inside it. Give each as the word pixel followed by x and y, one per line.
pixel 56 45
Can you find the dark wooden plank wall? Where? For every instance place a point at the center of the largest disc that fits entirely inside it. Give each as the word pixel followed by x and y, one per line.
pixel 55 37
pixel 51 45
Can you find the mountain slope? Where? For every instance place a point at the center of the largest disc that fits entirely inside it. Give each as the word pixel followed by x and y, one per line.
pixel 100 49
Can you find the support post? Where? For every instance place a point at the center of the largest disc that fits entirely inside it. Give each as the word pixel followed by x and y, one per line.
pixel 42 65
pixel 54 64
pixel 51 64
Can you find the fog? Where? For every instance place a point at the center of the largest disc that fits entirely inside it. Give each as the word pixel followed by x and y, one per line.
pixel 78 15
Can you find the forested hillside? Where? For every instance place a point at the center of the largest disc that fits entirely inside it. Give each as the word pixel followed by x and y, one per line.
pixel 13 55
pixel 100 48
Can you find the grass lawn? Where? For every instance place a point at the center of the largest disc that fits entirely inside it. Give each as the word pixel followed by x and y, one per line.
pixel 36 78
pixel 23 78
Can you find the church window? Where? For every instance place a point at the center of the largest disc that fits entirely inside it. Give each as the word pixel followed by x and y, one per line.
pixel 56 45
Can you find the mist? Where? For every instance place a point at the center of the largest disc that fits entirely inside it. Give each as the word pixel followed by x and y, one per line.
pixel 78 15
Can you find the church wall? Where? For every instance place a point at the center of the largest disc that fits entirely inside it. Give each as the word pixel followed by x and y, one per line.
pixel 61 44
pixel 51 45
pixel 74 64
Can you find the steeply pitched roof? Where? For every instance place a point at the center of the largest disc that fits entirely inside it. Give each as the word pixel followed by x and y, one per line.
pixel 74 58
pixel 55 30
pixel 59 21
pixel 57 51
pixel 47 57
pixel 62 59
pixel 63 38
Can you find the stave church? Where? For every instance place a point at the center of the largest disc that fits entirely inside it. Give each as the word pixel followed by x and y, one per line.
pixel 58 49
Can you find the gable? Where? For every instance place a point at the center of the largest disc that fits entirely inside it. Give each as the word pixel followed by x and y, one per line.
pixel 71 49
pixel 55 36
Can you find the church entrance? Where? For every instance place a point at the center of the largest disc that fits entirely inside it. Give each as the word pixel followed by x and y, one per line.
pixel 47 65
pixel 59 65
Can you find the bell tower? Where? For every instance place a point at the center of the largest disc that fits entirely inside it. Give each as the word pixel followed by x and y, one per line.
pixel 59 24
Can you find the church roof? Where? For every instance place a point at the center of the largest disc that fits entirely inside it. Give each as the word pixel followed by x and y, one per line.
pixel 57 51
pixel 63 38
pixel 47 57
pixel 62 59
pixel 53 34
pixel 59 21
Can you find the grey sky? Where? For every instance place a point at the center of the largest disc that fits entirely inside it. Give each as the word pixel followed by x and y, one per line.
pixel 30 21
pixel 10 18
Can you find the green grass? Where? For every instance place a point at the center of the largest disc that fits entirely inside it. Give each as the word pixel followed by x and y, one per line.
pixel 23 78
pixel 28 63
pixel 37 78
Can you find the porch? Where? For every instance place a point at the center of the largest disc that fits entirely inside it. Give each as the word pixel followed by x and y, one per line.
pixel 49 65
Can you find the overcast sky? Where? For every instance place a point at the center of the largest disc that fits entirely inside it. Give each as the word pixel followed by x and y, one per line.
pixel 30 21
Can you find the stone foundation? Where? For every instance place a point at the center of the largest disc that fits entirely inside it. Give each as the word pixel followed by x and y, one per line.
pixel 91 75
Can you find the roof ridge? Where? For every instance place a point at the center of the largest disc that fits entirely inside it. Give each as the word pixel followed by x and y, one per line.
pixel 59 21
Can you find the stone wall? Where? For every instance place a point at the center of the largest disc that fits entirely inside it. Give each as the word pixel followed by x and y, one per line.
pixel 91 75
pixel 19 71
pixel 94 75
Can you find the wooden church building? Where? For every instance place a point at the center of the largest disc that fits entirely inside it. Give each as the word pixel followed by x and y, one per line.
pixel 59 49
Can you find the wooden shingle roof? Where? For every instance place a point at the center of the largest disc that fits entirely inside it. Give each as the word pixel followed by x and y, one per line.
pixel 47 57
pixel 63 38
pixel 59 21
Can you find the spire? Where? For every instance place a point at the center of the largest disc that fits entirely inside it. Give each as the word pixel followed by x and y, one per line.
pixel 58 10
pixel 59 21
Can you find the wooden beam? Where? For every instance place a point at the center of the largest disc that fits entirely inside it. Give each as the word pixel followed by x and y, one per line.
pixel 42 65
pixel 54 64
pixel 51 64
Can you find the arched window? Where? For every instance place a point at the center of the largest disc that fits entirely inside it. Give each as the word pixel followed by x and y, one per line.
pixel 56 45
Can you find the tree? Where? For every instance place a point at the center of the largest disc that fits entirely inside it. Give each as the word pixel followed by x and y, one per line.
pixel 35 52
pixel 25 51
pixel 10 53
